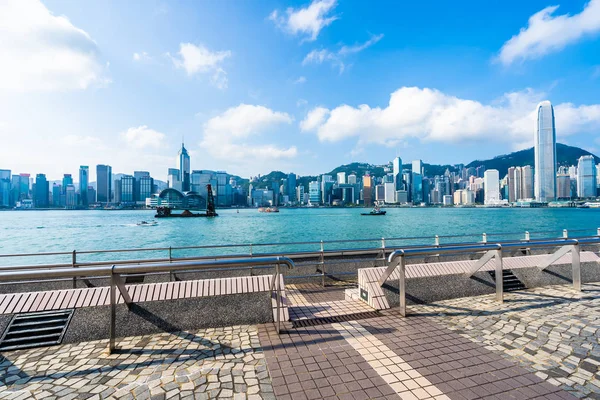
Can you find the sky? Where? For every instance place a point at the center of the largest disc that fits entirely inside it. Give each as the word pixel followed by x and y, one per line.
pixel 297 86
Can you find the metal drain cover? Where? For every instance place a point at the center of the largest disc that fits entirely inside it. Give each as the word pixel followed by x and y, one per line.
pixel 300 323
pixel 35 330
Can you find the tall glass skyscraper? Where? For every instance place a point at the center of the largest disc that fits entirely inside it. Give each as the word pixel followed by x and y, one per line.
pixel 545 153
pixel 586 177
pixel 84 181
pixel 184 169
pixel 103 183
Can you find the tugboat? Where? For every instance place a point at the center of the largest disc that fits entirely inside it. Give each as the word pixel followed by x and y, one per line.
pixel 374 211
pixel 268 209
pixel 165 212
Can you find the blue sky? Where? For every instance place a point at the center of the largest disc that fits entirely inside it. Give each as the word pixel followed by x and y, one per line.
pixel 255 86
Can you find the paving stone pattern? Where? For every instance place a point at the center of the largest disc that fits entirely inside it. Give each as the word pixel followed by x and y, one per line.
pixel 223 363
pixel 552 331
pixel 310 301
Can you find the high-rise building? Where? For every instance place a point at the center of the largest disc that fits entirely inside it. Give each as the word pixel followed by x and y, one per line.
pixel 511 185
pixel 352 179
pixel 367 190
pixel 173 178
pixel 137 190
pixel 491 185
pixel 300 194
pixel 563 186
pixel 380 193
pixel 586 177
pixel 70 196
pixel 56 195
pixel 341 178
pixel 42 190
pixel 291 187
pixel 389 192
pixel 91 194
pixel 184 169
pixel 518 180
pixel 127 189
pixel 526 182
pixel 103 183
pixel 66 181
pixel 397 171
pixel 5 195
pixel 314 192
pixel 545 153
pixel 84 182
pixel 417 167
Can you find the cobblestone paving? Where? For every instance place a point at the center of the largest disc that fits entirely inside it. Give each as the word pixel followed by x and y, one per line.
pixel 224 363
pixel 553 331
pixel 309 301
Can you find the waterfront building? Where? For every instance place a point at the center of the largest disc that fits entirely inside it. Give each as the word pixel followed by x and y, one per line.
pixel 291 187
pixel 491 184
pixel 518 179
pixel 397 172
pixel 117 186
pixel 84 182
pixel 103 183
pixel 447 200
pixel 127 186
pixel 389 192
pixel 401 196
pixel 348 193
pixel 20 187
pixel 56 195
pixel 184 169
pixel 511 186
pixel 326 187
pixel 91 193
pixel 352 179
pixel 314 192
pixel 70 196
pixel 563 184
pixel 66 181
pixel 367 190
pixel 379 193
pixel 526 182
pixel 586 177
pixel 457 198
pixel 480 171
pixel 41 192
pixel 173 179
pixel 545 154
pixel 143 186
pixel 341 178
pixel 300 194
pixel 5 194
pixel 417 167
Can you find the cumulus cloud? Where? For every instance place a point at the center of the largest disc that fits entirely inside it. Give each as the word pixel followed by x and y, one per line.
pixel 307 21
pixel 336 58
pixel 547 33
pixel 431 115
pixel 301 79
pixel 142 56
pixel 142 137
pixel 196 59
pixel 229 136
pixel 44 52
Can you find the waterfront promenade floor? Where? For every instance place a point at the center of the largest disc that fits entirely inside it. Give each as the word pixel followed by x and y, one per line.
pixel 540 343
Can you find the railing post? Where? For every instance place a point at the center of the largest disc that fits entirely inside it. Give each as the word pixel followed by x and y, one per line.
pixel 527 236
pixel 597 231
pixel 113 310
pixel 383 251
pixel 74 263
pixel 565 234
pixel 576 260
pixel 402 285
pixel 437 241
pixel 484 238
pixel 251 268
pixel 322 262
pixel 170 260
pixel 278 283
pixel 499 276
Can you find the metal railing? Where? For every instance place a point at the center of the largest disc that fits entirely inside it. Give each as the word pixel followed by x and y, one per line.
pixel 397 260
pixel 116 273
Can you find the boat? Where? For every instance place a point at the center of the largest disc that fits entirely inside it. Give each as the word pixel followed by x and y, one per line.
pixel 268 209
pixel 146 223
pixel 374 211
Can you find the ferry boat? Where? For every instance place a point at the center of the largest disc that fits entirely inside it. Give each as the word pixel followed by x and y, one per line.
pixel 268 209
pixel 375 211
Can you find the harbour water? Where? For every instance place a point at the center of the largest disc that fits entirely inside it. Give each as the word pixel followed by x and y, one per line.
pixel 54 231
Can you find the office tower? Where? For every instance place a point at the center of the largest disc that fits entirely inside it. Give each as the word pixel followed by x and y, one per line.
pixel 84 182
pixel 291 187
pixel 42 190
pixel 389 192
pixel 70 196
pixel 367 190
pixel 417 167
pixel 526 182
pixel 491 185
pixel 480 171
pixel 127 189
pixel 56 195
pixel 314 192
pixel 184 169
pixel 586 177
pixel 545 153
pixel 511 185
pixel 341 178
pixel 518 180
pixel 300 194
pixel 379 193
pixel 145 187
pixel 66 181
pixel 397 171
pixel 91 194
pixel 173 177
pixel 5 188
pixel 103 183
pixel 137 195
pixel 352 179
pixel 563 186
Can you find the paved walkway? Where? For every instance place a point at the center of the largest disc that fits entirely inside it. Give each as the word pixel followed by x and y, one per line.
pixel 539 344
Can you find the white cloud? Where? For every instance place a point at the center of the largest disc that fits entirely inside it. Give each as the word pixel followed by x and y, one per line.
pixel 196 59
pixel 431 115
pixel 336 58
pixel 308 21
pixel 299 103
pixel 141 137
pixel 229 136
pixel 301 79
pixel 44 52
pixel 142 56
pixel 547 33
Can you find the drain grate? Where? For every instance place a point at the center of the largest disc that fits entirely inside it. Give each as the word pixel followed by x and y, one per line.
pixel 301 323
pixel 35 330
pixel 509 281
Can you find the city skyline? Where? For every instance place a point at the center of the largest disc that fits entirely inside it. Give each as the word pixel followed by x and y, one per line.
pixel 298 98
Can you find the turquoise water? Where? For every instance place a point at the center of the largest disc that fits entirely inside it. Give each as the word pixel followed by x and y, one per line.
pixel 54 231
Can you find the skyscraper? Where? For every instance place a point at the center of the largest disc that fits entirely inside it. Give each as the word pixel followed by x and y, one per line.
pixel 84 181
pixel 491 185
pixel 527 182
pixel 512 192
pixel 341 178
pixel 291 187
pixel 103 183
pixel 42 189
pixel 184 169
pixel 586 177
pixel 5 188
pixel 67 180
pixel 367 190
pixel 397 171
pixel 545 153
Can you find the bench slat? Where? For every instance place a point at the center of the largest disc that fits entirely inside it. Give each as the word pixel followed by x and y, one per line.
pixel 14 302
